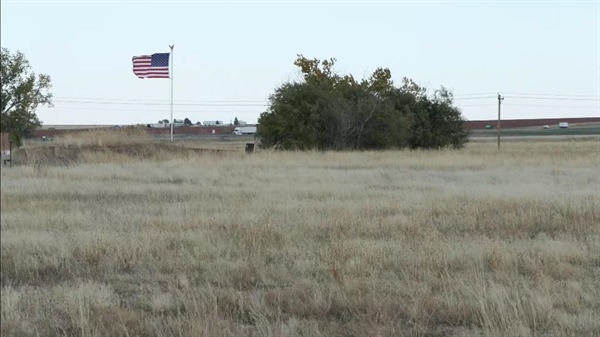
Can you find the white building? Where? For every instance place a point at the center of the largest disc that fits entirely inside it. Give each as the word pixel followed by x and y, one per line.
pixel 211 123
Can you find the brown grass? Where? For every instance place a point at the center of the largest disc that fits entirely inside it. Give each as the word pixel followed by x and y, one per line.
pixel 103 137
pixel 451 243
pixel 127 145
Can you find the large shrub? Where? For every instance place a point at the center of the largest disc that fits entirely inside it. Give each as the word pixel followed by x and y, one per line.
pixel 327 111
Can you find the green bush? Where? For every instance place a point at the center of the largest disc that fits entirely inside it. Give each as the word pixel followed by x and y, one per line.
pixel 327 111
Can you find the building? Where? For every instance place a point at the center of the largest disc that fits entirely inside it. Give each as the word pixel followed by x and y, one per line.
pixel 212 123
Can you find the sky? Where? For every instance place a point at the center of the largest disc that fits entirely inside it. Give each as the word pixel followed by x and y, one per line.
pixel 543 57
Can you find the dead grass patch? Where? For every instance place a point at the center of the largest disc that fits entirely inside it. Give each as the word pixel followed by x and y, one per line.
pixel 450 243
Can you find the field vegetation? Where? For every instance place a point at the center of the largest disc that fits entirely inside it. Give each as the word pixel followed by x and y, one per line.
pixel 326 110
pixel 466 242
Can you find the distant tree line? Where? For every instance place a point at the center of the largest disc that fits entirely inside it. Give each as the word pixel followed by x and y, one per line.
pixel 328 111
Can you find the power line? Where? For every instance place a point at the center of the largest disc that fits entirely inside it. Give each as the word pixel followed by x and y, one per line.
pixel 89 100
pixel 551 95
pixel 556 98
pixel 566 97
pixel 556 106
pixel 155 103
pixel 234 103
pixel 138 101
pixel 476 94
pixel 470 105
pixel 69 98
pixel 470 98
pixel 239 111
pixel 534 105
pixel 467 95
pixel 146 110
pixel 531 94
pixel 548 97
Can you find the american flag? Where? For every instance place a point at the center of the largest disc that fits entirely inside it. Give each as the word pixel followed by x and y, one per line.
pixel 151 66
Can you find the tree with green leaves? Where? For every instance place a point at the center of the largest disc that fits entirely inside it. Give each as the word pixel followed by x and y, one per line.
pixel 22 92
pixel 187 122
pixel 327 111
pixel 236 122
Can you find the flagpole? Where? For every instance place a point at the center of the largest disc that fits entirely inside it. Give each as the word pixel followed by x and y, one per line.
pixel 171 75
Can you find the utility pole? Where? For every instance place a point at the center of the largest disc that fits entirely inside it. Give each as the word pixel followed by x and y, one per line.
pixel 500 99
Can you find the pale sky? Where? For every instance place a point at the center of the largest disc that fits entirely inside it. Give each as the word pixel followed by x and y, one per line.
pixel 238 52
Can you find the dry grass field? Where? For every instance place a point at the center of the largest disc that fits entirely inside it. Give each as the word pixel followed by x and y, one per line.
pixel 450 243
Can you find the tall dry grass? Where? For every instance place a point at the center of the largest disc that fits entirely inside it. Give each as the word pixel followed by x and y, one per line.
pixel 451 243
pixel 103 137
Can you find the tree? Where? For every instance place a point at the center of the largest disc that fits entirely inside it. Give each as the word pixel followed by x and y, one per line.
pixel 327 111
pixel 22 92
pixel 438 124
pixel 236 122
pixel 187 122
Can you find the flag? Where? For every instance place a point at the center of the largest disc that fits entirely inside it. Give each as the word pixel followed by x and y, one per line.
pixel 151 66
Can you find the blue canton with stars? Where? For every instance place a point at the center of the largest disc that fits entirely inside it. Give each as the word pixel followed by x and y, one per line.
pixel 160 60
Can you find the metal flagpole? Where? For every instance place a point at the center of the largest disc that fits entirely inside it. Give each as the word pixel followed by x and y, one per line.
pixel 171 75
